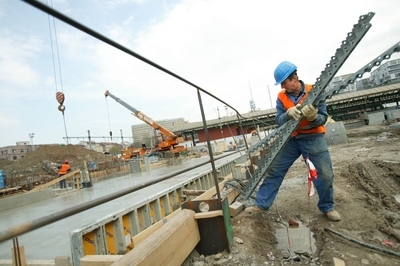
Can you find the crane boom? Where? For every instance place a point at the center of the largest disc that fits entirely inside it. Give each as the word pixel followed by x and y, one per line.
pixel 142 116
pixel 170 140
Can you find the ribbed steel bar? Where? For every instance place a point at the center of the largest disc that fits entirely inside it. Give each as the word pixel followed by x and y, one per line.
pixel 273 141
pixel 276 141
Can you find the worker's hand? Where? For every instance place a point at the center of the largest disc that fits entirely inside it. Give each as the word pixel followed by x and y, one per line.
pixel 294 112
pixel 309 112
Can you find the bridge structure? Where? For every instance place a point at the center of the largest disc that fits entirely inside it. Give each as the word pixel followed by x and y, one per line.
pixel 341 107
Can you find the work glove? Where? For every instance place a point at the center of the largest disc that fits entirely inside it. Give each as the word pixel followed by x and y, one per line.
pixel 309 112
pixel 294 112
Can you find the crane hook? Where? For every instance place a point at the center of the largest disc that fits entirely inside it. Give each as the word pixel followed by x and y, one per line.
pixel 60 99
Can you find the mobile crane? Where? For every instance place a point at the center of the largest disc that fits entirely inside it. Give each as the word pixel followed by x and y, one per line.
pixel 131 152
pixel 169 143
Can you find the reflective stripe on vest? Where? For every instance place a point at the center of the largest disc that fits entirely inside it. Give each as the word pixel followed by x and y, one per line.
pixel 287 103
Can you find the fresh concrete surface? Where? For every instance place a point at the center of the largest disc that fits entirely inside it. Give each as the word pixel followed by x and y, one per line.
pixel 52 240
pixel 30 263
pixel 13 202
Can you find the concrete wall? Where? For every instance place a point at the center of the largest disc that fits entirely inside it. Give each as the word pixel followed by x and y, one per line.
pixel 392 114
pixel 24 199
pixel 376 118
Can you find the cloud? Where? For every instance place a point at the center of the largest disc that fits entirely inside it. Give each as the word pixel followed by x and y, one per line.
pixel 227 47
pixel 15 53
pixel 7 121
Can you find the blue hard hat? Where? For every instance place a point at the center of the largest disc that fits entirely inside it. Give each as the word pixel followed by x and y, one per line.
pixel 283 70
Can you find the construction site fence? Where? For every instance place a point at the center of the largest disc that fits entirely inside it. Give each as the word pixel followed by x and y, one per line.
pixel 112 235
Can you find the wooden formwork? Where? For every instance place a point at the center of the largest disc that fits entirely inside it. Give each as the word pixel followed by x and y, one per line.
pixel 121 232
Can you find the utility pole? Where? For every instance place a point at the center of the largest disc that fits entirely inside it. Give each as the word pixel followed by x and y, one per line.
pixel 122 139
pixel 31 135
pixel 270 99
pixel 220 125
pixel 90 142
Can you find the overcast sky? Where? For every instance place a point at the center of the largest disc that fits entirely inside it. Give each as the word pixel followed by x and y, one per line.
pixel 228 47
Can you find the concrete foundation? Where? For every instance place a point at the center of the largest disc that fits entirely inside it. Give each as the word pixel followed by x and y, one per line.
pixel 376 118
pixel 29 262
pixel 335 133
pixel 25 199
pixel 135 166
pixel 392 114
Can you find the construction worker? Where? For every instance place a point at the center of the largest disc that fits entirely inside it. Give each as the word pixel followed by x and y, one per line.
pixel 64 168
pixel 307 140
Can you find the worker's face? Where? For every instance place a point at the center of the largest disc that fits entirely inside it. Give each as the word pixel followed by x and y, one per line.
pixel 292 86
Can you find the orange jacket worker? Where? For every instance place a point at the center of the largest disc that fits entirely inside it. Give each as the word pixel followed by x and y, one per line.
pixel 65 167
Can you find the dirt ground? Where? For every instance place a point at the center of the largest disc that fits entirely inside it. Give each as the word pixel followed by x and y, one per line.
pixel 367 194
pixel 367 183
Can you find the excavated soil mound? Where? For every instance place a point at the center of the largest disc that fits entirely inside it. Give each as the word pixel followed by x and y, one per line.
pixel 32 163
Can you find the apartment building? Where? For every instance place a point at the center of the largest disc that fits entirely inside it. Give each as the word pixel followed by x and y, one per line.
pixel 387 73
pixel 16 152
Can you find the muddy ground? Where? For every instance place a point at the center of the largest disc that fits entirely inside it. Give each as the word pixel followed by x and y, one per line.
pixel 367 183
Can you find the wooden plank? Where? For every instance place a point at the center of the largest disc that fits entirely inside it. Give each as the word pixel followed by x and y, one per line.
pixel 20 251
pixel 232 196
pixel 210 214
pixel 99 260
pixel 212 191
pixel 137 239
pixel 193 192
pixel 168 246
pixel 235 208
pixel 54 181
pixel 338 262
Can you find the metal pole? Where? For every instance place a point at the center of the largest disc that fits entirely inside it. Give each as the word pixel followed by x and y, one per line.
pixel 122 139
pixel 31 135
pixel 270 99
pixel 209 146
pixel 90 142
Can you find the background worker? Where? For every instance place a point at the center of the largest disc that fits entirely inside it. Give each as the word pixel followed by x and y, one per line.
pixel 64 168
pixel 308 140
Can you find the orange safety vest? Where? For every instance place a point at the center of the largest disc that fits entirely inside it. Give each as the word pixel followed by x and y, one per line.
pixel 287 103
pixel 64 169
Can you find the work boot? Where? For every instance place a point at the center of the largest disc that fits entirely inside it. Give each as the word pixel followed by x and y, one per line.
pixel 253 209
pixel 333 215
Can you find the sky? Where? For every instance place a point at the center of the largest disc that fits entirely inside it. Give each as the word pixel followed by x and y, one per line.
pixel 229 48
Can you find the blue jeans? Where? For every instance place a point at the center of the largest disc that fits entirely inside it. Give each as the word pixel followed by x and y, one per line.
pixel 63 183
pixel 316 149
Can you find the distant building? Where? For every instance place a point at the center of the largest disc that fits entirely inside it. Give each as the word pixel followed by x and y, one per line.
pixel 387 73
pixel 335 82
pixel 364 84
pixel 16 152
